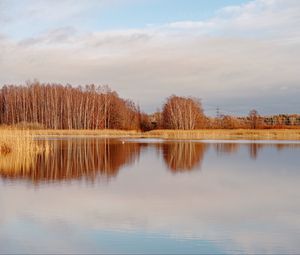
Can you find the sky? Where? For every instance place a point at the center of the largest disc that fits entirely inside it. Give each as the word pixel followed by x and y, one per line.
pixel 233 54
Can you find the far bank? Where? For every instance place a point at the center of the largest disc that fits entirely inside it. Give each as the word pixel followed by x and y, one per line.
pixel 203 134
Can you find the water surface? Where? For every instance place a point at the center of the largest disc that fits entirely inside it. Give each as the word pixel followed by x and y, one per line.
pixel 152 196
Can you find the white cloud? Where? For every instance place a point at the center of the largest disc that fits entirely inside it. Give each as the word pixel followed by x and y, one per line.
pixel 237 53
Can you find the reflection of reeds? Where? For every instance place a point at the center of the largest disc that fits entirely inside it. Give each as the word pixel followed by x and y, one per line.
pixel 183 156
pixel 76 158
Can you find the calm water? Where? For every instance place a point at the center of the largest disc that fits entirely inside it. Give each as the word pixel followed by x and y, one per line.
pixel 150 196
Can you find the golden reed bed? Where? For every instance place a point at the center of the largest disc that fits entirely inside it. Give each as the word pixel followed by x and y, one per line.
pixel 205 134
pixel 17 138
pixel 228 134
pixel 18 149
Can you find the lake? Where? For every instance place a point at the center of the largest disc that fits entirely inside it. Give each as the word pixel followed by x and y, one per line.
pixel 91 195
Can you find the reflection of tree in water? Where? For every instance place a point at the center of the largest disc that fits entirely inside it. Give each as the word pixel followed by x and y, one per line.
pixel 232 148
pixel 226 148
pixel 282 146
pixel 183 156
pixel 254 149
pixel 75 158
pixel 88 158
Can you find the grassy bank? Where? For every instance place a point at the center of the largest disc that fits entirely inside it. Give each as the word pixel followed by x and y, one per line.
pixel 83 132
pixel 208 134
pixel 228 134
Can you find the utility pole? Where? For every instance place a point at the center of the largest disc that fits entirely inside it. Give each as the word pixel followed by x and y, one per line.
pixel 218 112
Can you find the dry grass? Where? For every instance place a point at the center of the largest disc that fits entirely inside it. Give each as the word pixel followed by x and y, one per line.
pixel 203 134
pixel 18 150
pixel 207 134
pixel 227 134
pixel 81 132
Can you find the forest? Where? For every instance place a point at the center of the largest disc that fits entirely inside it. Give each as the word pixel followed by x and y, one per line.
pixel 56 106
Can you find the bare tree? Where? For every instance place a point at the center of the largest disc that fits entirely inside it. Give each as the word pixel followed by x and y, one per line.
pixel 182 113
pixel 65 107
pixel 254 119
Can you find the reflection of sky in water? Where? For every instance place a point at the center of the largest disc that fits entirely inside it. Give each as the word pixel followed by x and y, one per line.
pixel 230 202
pixel 79 240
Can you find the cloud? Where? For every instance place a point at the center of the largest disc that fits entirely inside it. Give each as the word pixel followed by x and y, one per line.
pixel 265 17
pixel 56 36
pixel 190 25
pixel 243 51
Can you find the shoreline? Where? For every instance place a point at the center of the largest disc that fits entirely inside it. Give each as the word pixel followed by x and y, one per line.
pixel 205 134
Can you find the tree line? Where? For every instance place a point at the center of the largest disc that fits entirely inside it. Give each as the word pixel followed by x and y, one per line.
pixel 56 106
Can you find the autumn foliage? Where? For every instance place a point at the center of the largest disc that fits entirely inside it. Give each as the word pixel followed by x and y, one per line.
pixel 55 106
pixel 182 113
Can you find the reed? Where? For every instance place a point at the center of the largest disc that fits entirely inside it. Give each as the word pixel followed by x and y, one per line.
pixel 201 134
pixel 18 150
pixel 227 134
pixel 106 133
